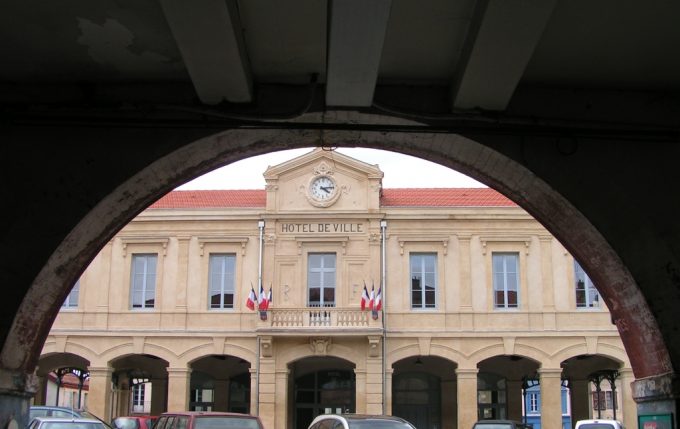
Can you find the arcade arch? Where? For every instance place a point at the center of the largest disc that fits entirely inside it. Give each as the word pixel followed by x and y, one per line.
pixel 465 155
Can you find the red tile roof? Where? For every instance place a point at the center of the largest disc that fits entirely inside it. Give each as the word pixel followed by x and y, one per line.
pixel 403 197
pixel 444 197
pixel 212 199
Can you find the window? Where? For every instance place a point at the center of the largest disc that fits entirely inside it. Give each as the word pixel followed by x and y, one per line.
pixel 423 280
pixel 505 280
pixel 533 402
pixel 138 391
pixel 586 294
pixel 144 280
pixel 222 275
pixel 321 279
pixel 72 298
pixel 604 401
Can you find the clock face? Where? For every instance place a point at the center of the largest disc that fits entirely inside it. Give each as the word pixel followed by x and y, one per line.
pixel 322 188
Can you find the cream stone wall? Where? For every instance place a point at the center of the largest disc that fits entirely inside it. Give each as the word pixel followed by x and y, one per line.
pixel 458 338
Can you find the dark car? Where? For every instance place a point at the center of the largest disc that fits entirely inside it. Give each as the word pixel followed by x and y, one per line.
pixel 134 422
pixel 359 421
pixel 501 424
pixel 207 420
pixel 52 411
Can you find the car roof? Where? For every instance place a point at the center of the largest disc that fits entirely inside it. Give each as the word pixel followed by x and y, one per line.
pixel 207 413
pixel 359 417
pixel 67 419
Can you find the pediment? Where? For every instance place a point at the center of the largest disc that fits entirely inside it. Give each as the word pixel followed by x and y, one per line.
pixel 323 179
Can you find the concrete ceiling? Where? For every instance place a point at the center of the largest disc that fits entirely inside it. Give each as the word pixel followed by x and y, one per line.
pixel 471 54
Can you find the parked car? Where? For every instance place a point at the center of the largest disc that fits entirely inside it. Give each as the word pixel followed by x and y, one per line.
pixel 598 424
pixel 134 422
pixel 207 420
pixel 65 423
pixel 501 424
pixel 359 421
pixel 52 411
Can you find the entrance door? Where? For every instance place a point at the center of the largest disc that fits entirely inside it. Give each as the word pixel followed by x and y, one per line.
pixel 323 392
pixel 416 397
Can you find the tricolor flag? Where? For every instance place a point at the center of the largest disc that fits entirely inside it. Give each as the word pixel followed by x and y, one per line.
pixel 269 298
pixel 250 302
pixel 377 306
pixel 364 297
pixel 371 298
pixel 261 300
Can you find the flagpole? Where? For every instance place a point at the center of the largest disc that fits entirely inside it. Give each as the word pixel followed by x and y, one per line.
pixel 260 225
pixel 383 295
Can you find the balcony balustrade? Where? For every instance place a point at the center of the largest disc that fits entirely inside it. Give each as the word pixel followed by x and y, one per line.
pixel 319 318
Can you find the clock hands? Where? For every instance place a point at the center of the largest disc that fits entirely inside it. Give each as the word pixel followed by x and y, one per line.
pixel 328 189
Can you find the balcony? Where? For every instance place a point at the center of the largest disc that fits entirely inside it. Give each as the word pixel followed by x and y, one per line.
pixel 320 319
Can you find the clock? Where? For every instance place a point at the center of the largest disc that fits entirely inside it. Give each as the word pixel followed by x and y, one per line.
pixel 322 191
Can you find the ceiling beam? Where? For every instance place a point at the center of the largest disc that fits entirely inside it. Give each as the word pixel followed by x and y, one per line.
pixel 209 36
pixel 502 37
pixel 356 36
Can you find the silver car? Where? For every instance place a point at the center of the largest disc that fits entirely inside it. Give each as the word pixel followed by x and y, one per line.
pixel 359 421
pixel 65 423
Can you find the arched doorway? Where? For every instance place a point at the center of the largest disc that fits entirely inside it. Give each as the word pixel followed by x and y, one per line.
pixel 220 383
pixel 424 392
pixel 140 385
pixel 321 386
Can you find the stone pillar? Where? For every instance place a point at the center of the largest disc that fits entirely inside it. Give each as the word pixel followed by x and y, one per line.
pixel 99 393
pixel 657 395
pixel 221 398
pixel 179 383
pixel 267 392
pixel 581 400
pixel 281 404
pixel 374 386
pixel 159 395
pixel 253 391
pixel 16 390
pixel 627 412
pixel 360 391
pixel 513 399
pixel 551 398
pixel 389 372
pixel 467 397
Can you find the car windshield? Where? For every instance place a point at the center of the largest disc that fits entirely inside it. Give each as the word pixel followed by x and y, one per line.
pixel 219 422
pixel 493 426
pixel 72 425
pixel 377 424
pixel 596 426
pixel 125 423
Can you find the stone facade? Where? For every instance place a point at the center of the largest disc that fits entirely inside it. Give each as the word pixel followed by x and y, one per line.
pixel 451 338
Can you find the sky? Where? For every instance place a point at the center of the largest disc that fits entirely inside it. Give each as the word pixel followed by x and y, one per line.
pixel 247 174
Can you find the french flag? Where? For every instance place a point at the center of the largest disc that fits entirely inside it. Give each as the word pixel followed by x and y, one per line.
pixel 377 306
pixel 250 302
pixel 371 298
pixel 262 300
pixel 364 298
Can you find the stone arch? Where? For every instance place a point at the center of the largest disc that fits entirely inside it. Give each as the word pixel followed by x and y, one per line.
pixel 410 350
pixel 51 361
pixel 205 350
pixel 302 351
pixel 639 330
pixel 127 349
pixel 533 354
pixel 607 350
pixel 70 347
